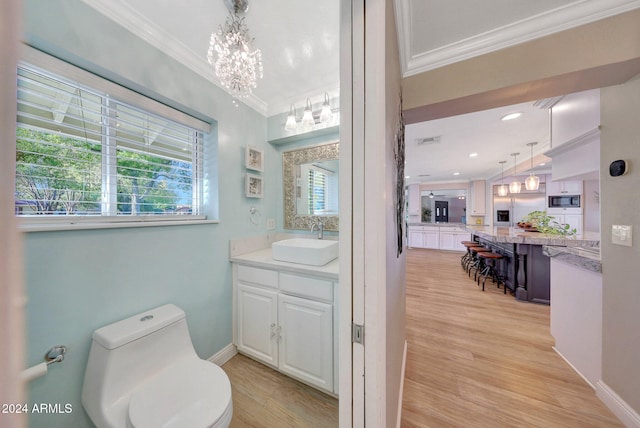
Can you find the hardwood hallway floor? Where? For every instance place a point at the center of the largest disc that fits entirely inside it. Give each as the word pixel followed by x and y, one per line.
pixel 484 359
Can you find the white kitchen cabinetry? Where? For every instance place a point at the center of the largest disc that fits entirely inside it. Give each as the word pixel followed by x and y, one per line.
pixel 424 237
pixel 438 237
pixel 565 187
pixel 415 202
pixel 288 322
pixel 478 198
pixel 451 238
pixel 573 220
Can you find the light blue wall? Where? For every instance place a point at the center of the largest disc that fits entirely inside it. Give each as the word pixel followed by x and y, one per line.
pixel 78 281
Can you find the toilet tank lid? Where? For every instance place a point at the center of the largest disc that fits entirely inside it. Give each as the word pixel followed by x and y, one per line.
pixel 122 332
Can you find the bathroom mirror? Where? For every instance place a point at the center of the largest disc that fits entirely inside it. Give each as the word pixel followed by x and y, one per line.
pixel 310 186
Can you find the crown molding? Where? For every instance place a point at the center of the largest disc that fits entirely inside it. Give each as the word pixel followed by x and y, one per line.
pixel 123 14
pixel 573 15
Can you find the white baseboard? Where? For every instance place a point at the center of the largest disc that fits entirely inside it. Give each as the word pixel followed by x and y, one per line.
pixel 404 365
pixel 224 355
pixel 629 417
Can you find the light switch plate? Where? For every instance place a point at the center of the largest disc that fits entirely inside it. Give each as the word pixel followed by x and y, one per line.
pixel 621 234
pixel 271 224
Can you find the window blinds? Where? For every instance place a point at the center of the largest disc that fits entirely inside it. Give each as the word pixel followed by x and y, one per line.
pixel 82 152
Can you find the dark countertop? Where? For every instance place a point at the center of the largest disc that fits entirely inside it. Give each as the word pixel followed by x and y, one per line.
pixel 514 235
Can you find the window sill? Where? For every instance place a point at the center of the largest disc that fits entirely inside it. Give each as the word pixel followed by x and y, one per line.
pixel 29 225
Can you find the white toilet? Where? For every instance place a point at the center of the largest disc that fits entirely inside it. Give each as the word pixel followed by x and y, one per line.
pixel 144 373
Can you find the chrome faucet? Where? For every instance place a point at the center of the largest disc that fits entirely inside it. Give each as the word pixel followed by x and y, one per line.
pixel 320 226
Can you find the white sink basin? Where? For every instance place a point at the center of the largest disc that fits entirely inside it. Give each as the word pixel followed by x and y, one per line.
pixel 315 252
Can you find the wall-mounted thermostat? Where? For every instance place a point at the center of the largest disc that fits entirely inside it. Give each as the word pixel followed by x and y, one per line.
pixel 618 168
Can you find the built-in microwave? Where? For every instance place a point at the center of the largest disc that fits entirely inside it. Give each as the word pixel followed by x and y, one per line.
pixel 563 201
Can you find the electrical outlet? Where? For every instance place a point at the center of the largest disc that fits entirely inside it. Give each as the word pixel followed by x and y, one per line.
pixel 621 235
pixel 271 224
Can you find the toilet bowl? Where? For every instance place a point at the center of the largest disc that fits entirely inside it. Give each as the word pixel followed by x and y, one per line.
pixel 144 373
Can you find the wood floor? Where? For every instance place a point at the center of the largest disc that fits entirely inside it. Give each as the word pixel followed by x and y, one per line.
pixel 484 359
pixel 265 398
pixel 474 360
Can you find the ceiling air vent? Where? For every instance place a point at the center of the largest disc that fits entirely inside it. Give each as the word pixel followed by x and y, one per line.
pixel 427 140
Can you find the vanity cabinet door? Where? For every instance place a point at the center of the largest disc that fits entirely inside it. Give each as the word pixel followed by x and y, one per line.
pixel 306 340
pixel 258 323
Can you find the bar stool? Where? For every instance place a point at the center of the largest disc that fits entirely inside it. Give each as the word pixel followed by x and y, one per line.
pixel 466 257
pixel 490 269
pixel 476 263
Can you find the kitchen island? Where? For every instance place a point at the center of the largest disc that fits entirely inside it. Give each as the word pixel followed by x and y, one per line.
pixel 525 267
pixel 576 313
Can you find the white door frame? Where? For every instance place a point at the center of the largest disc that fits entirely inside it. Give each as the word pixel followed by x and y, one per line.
pixel 351 361
pixel 11 293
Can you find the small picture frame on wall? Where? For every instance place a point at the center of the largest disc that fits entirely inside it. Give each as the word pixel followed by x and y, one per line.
pixel 253 186
pixel 254 159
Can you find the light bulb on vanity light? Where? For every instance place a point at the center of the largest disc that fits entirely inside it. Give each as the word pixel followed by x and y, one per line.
pixel 291 124
pixel 326 114
pixel 307 117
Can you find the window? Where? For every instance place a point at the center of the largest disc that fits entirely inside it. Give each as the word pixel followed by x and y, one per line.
pixel 317 191
pixel 84 152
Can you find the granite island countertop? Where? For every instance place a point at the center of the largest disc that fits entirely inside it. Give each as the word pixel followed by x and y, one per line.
pixel 586 258
pixel 514 235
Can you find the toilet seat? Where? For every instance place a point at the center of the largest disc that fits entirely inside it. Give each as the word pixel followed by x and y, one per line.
pixel 193 393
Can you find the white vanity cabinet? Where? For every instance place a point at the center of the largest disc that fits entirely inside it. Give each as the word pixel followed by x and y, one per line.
pixel 288 321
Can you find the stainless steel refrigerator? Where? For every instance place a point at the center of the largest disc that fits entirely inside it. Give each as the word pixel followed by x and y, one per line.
pixel 509 210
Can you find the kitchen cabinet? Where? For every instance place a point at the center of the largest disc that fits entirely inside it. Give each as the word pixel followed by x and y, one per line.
pixel 478 198
pixel 565 187
pixel 451 238
pixel 424 237
pixel 438 237
pixel 573 220
pixel 287 321
pixel 415 202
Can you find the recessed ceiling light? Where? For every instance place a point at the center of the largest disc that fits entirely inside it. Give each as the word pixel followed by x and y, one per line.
pixel 542 164
pixel 473 155
pixel 456 173
pixel 406 177
pixel 511 116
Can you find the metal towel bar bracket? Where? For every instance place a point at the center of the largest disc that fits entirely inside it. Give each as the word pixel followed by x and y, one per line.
pixel 55 354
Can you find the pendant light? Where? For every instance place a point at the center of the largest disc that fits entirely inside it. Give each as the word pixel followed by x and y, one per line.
pixel 502 189
pixel 532 182
pixel 515 185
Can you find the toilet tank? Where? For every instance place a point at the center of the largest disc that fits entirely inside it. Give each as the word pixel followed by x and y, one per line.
pixel 124 354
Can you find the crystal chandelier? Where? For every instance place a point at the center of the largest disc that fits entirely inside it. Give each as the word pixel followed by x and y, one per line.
pixel 236 61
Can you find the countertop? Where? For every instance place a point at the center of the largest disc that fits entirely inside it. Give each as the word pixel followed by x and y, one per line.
pixel 263 259
pixel 514 235
pixel 588 259
pixel 437 224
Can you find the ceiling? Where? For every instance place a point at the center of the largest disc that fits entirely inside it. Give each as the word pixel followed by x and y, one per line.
pixel 300 48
